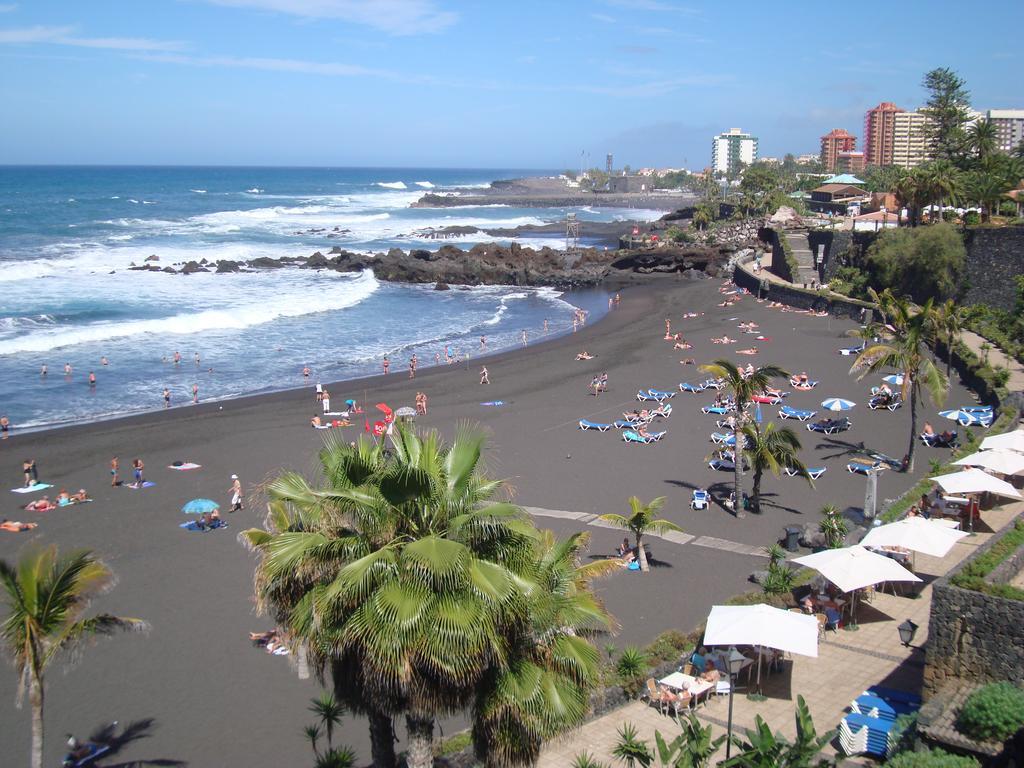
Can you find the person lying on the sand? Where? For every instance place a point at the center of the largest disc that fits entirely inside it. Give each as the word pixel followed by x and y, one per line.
pixel 684 344
pixel 727 303
pixel 584 355
pixel 747 351
pixel 723 340
pixel 692 314
pixel 776 304
pixel 262 638
pixel 15 526
pixel 688 361
pixel 63 497
pixel 748 326
pixel 40 505
pixel 642 415
pixel 661 410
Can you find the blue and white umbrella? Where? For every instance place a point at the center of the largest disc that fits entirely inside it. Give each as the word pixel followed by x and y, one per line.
pixel 757 414
pixel 837 404
pixel 894 379
pixel 200 506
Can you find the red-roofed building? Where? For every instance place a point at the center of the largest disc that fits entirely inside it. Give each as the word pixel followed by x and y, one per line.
pixel 832 143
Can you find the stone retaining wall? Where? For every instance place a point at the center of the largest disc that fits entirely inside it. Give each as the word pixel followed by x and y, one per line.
pixel 994 258
pixel 972 636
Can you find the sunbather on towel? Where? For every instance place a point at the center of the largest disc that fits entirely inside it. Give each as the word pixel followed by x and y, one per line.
pixel 682 345
pixel 688 361
pixel 14 526
pixel 40 505
pixel 584 355
pixel 723 340
pixel 748 351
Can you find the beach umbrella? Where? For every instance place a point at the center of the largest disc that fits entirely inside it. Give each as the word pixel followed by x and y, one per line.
pixel 837 404
pixel 998 460
pixel 762 626
pixel 404 411
pixel 930 537
pixel 975 481
pixel 200 506
pixel 894 379
pixel 956 414
pixel 757 413
pixel 1010 441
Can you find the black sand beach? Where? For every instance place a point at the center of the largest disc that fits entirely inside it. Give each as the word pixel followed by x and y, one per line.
pixel 216 700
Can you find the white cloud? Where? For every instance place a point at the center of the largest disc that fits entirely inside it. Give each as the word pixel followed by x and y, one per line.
pixel 66 36
pixel 397 17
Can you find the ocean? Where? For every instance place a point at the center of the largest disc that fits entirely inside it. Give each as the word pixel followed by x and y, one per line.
pixel 69 234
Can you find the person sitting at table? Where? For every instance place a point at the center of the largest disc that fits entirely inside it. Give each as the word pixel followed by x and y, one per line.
pixel 711 674
pixel 913 511
pixel 698 659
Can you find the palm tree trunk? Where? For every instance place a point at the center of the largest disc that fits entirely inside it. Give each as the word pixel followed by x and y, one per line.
pixel 737 455
pixel 641 556
pixel 35 698
pixel 758 472
pixel 420 730
pixel 913 426
pixel 382 740
pixel 949 353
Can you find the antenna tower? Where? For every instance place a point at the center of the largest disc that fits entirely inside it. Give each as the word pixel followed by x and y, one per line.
pixel 572 233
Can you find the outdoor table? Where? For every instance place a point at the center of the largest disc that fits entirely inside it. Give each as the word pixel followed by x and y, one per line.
pixel 680 681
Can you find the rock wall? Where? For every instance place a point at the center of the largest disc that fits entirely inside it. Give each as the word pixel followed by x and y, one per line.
pixel 792 296
pixel 972 637
pixel 994 258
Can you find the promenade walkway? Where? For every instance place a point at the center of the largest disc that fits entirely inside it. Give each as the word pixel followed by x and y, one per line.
pixel 847 663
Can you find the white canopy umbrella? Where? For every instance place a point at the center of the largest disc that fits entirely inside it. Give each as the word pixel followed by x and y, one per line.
pixel 762 625
pixel 975 481
pixel 997 460
pixel 854 567
pixel 1010 441
pixel 915 534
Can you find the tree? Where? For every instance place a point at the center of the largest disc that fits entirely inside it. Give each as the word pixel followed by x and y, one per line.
pixel 47 596
pixel 925 263
pixel 904 348
pixel 542 685
pixel 943 183
pixel 704 215
pixel 949 320
pixel 742 388
pixel 765 749
pixel 948 107
pixel 981 137
pixel 771 448
pixel 833 526
pixel 401 574
pixel 641 521
pixel 328 713
pixel 987 190
pixel 778 579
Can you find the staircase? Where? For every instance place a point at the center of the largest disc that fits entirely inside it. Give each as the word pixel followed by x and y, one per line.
pixel 801 249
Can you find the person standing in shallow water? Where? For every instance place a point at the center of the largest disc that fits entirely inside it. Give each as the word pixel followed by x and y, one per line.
pixel 387 365
pixel 167 398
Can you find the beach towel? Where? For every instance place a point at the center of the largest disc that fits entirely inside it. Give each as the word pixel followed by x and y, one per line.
pixel 192 525
pixel 494 403
pixel 184 466
pixel 634 566
pixel 32 488
pixel 134 487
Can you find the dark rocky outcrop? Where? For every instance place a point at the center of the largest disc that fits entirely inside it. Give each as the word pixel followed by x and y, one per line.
pixel 227 265
pixel 192 267
pixel 265 262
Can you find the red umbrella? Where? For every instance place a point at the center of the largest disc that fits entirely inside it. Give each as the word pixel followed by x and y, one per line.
pixel 378 428
pixel 388 413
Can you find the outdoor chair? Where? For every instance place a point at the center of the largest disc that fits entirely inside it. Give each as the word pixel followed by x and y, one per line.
pixel 586 424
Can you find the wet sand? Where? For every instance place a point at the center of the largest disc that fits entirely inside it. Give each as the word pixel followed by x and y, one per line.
pixel 216 700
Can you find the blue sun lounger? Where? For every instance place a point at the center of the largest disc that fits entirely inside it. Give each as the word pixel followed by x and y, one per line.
pixel 713 383
pixel 813 472
pixel 586 424
pixel 878 403
pixel 688 387
pixel 722 438
pixel 664 410
pixel 721 410
pixel 975 418
pixel 863 468
pixel 700 499
pixel 847 351
pixel 787 412
pixel 659 395
pixel 722 465
pixel 630 436
pixel 830 426
pixel 625 424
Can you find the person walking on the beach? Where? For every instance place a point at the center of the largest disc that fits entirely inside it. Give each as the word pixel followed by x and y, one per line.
pixel 167 398
pixel 236 494
pixel 5 427
pixel 602 383
pixel 114 466
pixel 483 343
pixel 326 400
pixel 484 378
pixel 575 323
pixel 195 393
pixel 412 367
pixel 524 338
pixel 28 466
pixel 387 365
pixel 137 467
pixel 92 379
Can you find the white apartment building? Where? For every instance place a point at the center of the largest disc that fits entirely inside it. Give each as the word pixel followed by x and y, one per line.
pixel 1009 125
pixel 911 145
pixel 732 150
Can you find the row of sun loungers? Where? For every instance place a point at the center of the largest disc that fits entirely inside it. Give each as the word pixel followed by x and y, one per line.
pixel 656 395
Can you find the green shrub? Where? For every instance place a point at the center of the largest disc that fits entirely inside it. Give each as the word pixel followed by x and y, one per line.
pixel 972 575
pixel 668 646
pixel 453 744
pixel 972 219
pixel 994 712
pixel 935 758
pixel 631 668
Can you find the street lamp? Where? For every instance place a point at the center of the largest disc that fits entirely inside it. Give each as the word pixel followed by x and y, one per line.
pixel 735 662
pixel 907 630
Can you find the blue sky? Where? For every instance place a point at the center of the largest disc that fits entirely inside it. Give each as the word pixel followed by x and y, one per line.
pixel 471 84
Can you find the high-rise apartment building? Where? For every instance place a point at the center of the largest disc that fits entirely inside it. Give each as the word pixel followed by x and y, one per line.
pixel 1009 125
pixel 849 162
pixel 911 139
pixel 832 143
pixel 878 133
pixel 732 150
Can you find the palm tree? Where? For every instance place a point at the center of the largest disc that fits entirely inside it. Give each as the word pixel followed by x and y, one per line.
pixel 943 182
pixel 46 596
pixel 905 348
pixel 771 448
pixel 833 527
pixel 982 137
pixel 742 388
pixel 987 190
pixel 640 521
pixel 542 687
pixel 401 573
pixel 910 187
pixel 949 320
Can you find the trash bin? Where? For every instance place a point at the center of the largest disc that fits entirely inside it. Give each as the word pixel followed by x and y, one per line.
pixel 791 537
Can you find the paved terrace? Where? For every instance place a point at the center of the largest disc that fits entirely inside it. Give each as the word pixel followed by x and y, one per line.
pixel 847 663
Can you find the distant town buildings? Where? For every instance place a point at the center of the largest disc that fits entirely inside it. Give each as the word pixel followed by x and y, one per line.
pixel 832 143
pixel 849 162
pixel 879 127
pixel 1009 124
pixel 911 139
pixel 732 150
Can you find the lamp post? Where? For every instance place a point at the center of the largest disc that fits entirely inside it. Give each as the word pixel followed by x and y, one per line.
pixel 907 630
pixel 735 665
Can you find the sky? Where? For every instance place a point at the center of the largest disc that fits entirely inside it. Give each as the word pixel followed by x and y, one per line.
pixel 487 84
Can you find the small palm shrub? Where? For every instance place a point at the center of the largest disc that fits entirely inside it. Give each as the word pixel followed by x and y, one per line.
pixel 631 666
pixel 994 712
